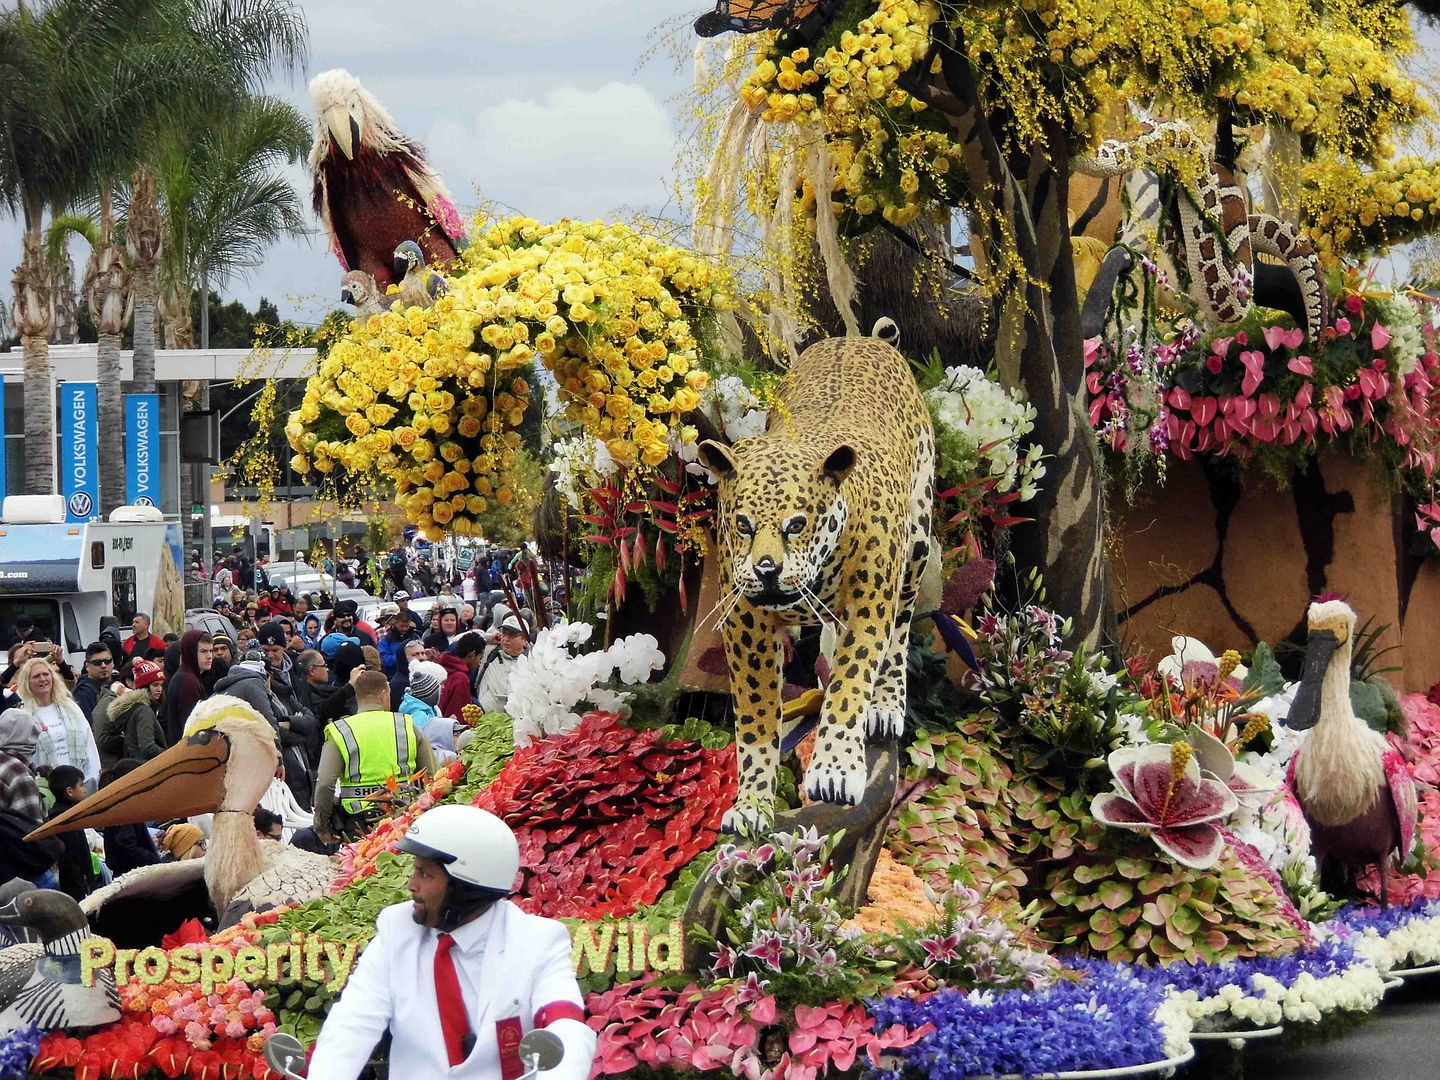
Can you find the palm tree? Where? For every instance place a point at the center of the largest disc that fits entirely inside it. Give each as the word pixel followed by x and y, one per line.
pixel 224 202
pixel 84 84
pixel 107 293
pixel 229 47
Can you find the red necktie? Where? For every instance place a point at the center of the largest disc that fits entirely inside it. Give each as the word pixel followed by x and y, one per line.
pixel 454 1022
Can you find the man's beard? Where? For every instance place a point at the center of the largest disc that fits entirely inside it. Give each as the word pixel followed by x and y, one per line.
pixel 420 912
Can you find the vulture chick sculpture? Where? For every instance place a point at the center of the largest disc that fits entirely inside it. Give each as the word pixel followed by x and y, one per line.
pixel 223 765
pixel 373 188
pixel 1353 786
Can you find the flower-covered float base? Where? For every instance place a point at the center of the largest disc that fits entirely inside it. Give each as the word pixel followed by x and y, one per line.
pixel 1072 880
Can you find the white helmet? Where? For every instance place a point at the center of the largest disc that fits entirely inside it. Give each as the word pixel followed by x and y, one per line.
pixel 475 847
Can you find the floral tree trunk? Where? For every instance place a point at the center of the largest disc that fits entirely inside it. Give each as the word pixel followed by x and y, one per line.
pixel 108 295
pixel 144 231
pixel 1039 349
pixel 35 319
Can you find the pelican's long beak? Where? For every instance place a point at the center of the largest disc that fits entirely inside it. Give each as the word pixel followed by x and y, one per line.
pixel 1319 648
pixel 185 780
pixel 344 128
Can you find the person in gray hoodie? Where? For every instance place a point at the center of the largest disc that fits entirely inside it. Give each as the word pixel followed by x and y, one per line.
pixel 249 680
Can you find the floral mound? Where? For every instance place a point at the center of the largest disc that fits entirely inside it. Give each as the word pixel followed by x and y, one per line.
pixel 430 399
pixel 1014 832
pixel 606 815
pixel 1110 1019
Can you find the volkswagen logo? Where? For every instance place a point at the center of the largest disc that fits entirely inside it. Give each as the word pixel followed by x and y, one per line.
pixel 144 500
pixel 81 504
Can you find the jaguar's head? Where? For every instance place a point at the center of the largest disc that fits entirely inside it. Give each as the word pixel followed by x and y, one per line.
pixel 780 516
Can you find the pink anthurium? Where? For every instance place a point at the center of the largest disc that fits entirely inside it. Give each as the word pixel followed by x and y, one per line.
pixel 1203 409
pixel 1254 362
pixel 1159 791
pixel 1301 365
pixel 1179 398
pixel 1379 336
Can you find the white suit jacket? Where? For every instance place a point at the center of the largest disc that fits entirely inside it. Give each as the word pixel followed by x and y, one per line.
pixel 511 966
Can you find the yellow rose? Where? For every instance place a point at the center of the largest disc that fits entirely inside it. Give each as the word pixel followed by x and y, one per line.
pixel 441 512
pixel 405 438
pixel 469 427
pixel 450 451
pixel 357 425
pixel 300 464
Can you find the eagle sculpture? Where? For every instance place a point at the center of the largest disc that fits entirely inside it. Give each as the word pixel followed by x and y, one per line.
pixel 374 189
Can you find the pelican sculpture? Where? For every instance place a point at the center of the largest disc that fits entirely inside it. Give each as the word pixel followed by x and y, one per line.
pixel 223 766
pixel 1352 785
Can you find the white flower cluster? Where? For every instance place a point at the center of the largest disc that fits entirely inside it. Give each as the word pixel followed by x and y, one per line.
pixel 1268 1002
pixel 1414 944
pixel 1175 1024
pixel 1407 342
pixel 990 421
pixel 739 416
pixel 553 687
pixel 579 463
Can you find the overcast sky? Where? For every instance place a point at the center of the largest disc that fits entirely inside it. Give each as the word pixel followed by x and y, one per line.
pixel 550 108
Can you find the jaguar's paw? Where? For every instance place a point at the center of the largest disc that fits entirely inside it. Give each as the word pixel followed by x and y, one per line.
pixel 884 722
pixel 835 783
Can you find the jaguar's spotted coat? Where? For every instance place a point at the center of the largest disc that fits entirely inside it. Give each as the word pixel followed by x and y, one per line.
pixel 825 517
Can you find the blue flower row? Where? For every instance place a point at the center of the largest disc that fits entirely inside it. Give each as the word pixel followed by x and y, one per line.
pixel 1321 961
pixel 1385 921
pixel 17 1051
pixel 1107 1020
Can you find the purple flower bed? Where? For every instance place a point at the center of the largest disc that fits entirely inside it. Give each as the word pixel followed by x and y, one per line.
pixel 1106 1021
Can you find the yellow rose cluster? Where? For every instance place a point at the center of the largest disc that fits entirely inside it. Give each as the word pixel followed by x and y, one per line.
pixel 430 399
pixel 1354 211
pixel 889 156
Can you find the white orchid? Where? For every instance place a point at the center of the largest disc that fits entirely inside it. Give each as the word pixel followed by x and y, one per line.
pixel 1188 650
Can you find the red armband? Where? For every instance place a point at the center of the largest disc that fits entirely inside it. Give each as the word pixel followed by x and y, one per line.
pixel 559 1010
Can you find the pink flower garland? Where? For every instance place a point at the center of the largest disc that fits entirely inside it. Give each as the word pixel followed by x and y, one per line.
pixel 1422 758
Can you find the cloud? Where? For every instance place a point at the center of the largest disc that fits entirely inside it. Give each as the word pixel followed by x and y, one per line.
pixel 571 152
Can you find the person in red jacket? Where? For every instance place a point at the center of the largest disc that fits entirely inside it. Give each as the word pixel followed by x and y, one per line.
pixel 141 640
pixel 460 664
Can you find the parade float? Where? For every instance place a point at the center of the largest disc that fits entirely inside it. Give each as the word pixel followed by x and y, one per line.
pixel 1136 779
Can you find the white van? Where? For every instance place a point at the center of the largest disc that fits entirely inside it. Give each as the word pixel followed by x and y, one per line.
pixel 64 577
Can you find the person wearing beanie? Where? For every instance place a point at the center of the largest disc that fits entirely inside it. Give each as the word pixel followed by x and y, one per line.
pixel 423 693
pixel 275 642
pixel 222 655
pixel 134 716
pixel 249 680
pixel 460 664
pixel 183 841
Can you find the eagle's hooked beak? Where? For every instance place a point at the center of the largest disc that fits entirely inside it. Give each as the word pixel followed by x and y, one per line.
pixel 1319 648
pixel 344 128
pixel 187 779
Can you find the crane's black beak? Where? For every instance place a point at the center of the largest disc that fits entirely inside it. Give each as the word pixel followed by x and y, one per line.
pixel 1319 649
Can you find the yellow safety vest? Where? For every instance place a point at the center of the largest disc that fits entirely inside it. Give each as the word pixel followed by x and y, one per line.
pixel 374 747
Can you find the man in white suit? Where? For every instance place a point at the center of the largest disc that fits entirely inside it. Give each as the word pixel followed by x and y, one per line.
pixel 459 974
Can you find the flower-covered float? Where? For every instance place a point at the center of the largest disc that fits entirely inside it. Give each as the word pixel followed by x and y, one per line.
pixel 1086 857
